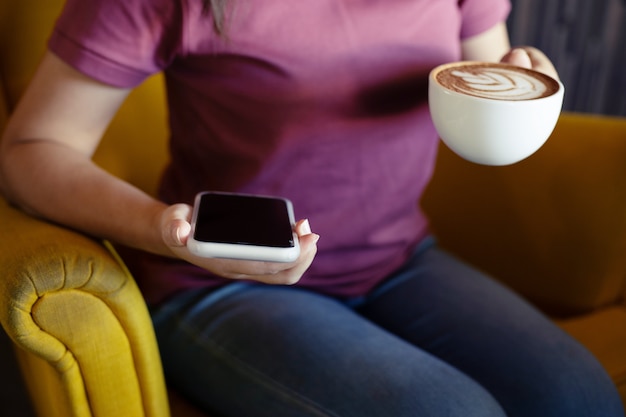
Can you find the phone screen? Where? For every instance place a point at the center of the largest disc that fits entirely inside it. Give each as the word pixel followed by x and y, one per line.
pixel 244 220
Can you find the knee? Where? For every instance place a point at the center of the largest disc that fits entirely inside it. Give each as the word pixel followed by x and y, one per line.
pixel 584 397
pixel 469 400
pixel 446 394
pixel 576 386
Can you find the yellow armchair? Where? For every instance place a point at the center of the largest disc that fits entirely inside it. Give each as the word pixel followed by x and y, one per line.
pixel 83 335
pixel 553 227
pixel 83 331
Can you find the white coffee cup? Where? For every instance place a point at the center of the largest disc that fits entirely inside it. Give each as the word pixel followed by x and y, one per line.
pixel 493 113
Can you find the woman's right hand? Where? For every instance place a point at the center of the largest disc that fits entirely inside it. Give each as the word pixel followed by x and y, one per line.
pixel 56 127
pixel 176 228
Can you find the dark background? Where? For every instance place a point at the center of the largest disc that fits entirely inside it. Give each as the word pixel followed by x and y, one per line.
pixel 586 40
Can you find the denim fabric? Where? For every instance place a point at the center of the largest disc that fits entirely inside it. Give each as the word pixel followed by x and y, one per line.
pixel 438 339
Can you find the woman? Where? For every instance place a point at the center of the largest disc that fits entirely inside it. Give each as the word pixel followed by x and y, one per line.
pixel 323 103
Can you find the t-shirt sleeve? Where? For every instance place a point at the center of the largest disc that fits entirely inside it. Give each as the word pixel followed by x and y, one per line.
pixel 481 15
pixel 118 42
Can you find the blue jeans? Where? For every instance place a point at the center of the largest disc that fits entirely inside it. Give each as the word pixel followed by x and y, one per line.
pixel 438 339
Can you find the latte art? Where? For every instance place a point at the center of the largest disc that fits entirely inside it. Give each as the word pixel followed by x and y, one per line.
pixel 497 82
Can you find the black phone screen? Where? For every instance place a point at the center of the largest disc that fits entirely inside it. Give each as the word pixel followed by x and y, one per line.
pixel 244 220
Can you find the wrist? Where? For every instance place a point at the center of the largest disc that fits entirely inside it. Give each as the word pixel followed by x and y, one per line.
pixel 155 242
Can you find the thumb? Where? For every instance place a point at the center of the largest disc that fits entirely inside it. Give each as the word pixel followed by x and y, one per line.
pixel 175 225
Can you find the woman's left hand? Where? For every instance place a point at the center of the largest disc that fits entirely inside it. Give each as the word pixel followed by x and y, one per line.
pixel 533 58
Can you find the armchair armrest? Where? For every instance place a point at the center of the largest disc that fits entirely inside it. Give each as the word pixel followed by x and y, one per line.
pixel 85 338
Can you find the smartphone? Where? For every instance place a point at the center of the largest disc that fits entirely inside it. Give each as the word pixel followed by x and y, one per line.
pixel 243 226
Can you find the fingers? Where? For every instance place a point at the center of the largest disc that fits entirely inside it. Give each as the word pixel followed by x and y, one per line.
pixel 271 272
pixel 274 272
pixel 308 250
pixel 530 57
pixel 303 227
pixel 175 231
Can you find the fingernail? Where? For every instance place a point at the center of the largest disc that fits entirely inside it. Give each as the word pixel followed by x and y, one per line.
pixel 305 227
pixel 179 240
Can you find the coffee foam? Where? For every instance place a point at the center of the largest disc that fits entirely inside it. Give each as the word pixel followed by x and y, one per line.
pixel 497 81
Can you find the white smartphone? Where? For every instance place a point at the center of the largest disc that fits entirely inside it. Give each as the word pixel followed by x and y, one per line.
pixel 243 226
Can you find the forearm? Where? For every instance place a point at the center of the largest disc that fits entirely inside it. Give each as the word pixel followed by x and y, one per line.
pixel 488 46
pixel 54 182
pixel 67 188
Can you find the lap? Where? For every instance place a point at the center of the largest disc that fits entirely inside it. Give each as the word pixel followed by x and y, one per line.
pixel 478 326
pixel 280 351
pixel 441 339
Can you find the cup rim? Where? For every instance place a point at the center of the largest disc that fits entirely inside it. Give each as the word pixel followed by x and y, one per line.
pixel 441 67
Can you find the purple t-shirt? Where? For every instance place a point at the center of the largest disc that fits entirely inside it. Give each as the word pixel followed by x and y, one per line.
pixel 322 102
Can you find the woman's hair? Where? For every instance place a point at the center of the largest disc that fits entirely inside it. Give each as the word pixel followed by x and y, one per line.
pixel 217 8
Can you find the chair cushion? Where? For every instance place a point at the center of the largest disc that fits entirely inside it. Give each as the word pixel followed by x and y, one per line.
pixel 551 226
